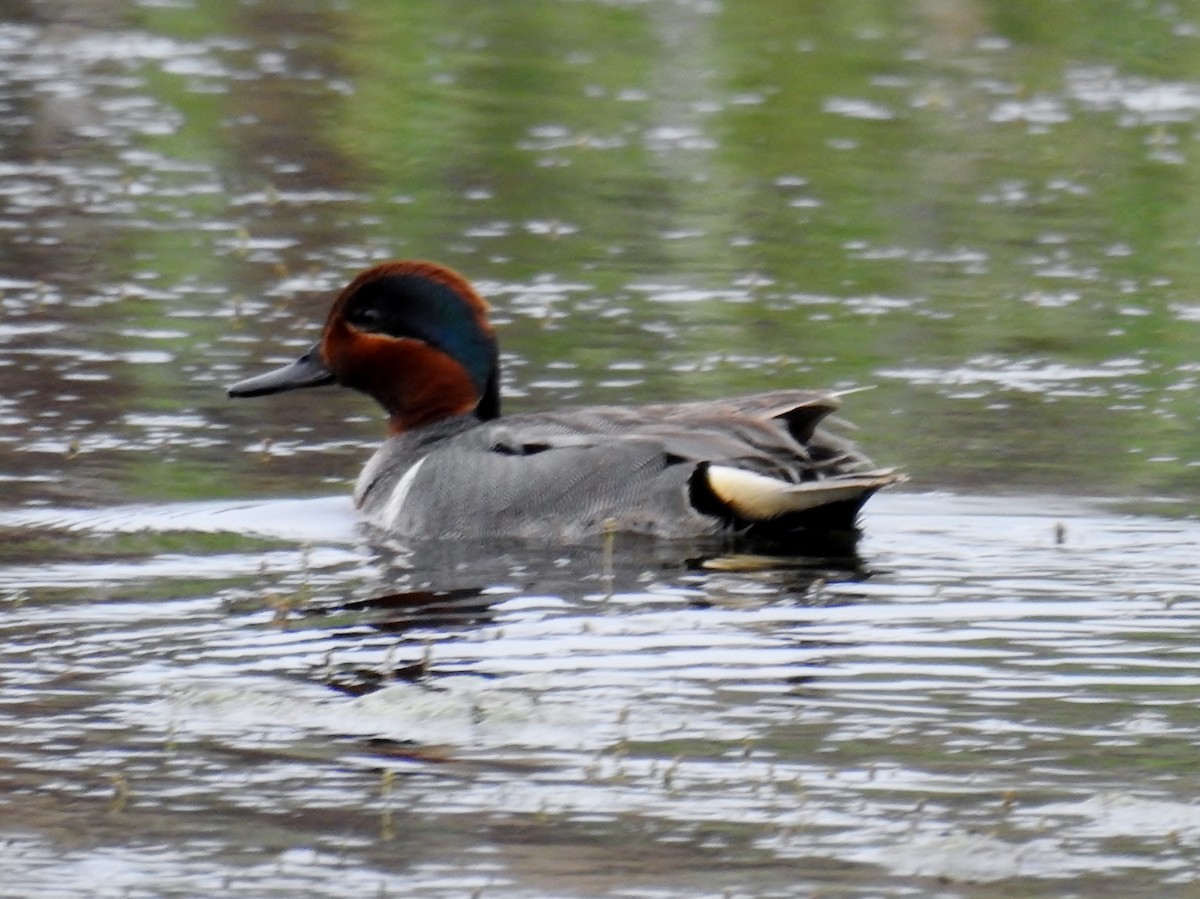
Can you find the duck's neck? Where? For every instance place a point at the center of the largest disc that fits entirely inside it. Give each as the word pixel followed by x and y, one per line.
pixel 443 392
pixel 489 405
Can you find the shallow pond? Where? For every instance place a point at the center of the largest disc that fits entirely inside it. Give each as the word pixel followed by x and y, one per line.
pixel 215 681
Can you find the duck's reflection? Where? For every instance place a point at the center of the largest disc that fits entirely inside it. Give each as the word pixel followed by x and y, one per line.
pixel 434 593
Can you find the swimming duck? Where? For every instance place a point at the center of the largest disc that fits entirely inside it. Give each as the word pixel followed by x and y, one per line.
pixel 416 337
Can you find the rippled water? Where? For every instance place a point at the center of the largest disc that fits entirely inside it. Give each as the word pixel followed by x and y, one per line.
pixel 1002 693
pixel 213 681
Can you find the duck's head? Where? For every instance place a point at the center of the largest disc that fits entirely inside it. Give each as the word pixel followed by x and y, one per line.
pixel 413 335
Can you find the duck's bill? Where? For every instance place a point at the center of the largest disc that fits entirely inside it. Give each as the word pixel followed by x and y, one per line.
pixel 307 371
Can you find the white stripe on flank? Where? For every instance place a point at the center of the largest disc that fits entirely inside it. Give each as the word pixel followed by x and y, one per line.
pixel 400 494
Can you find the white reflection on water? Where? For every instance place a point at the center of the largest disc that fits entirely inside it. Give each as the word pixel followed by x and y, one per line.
pixel 328 519
pixel 1043 377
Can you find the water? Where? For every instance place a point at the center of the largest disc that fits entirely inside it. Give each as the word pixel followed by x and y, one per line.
pixel 215 681
pixel 980 704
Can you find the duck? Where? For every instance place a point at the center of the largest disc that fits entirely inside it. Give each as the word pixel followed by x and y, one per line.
pixel 416 337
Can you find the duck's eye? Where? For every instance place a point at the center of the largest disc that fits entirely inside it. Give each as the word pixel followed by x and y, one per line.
pixel 365 317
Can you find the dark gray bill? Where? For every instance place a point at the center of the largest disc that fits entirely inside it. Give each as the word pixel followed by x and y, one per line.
pixel 307 371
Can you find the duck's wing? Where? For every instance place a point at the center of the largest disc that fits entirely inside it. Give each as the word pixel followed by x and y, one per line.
pixel 799 410
pixel 674 470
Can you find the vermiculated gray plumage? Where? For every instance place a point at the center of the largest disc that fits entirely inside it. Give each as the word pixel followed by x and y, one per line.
pixel 568 474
